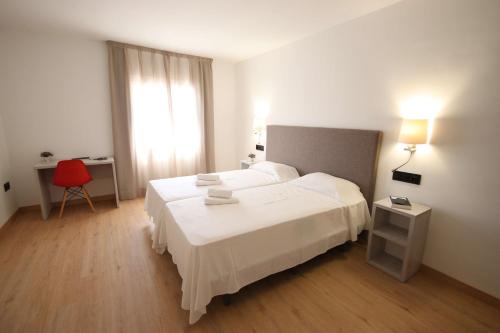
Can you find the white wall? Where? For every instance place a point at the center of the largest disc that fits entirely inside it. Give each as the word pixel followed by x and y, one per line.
pixel 224 114
pixel 8 203
pixel 355 76
pixel 54 94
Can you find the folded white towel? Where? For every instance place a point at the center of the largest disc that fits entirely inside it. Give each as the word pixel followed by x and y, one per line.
pixel 208 182
pixel 208 177
pixel 220 201
pixel 220 193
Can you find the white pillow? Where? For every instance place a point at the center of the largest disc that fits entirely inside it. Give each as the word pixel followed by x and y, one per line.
pixel 338 188
pixel 281 172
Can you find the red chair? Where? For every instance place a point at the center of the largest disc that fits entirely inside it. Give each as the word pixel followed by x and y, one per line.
pixel 72 175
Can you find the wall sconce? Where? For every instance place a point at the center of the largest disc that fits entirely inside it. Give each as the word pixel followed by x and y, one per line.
pixel 413 132
pixel 259 125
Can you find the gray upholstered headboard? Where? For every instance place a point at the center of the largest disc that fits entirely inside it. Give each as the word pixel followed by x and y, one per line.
pixel 347 153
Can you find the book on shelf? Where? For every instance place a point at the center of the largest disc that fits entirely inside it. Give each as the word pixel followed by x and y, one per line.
pixel 400 202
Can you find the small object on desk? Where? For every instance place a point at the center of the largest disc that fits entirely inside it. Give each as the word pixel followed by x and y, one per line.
pixel 46 156
pixel 81 158
pixel 100 158
pixel 252 157
pixel 400 202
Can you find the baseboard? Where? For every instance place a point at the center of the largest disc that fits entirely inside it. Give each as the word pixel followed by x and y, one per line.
pixel 28 209
pixel 487 298
pixel 10 219
pixel 99 198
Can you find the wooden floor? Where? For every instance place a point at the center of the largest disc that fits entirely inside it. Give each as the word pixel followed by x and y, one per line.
pixel 97 273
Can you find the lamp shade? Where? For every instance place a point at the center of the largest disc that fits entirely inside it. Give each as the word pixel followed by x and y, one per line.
pixel 413 131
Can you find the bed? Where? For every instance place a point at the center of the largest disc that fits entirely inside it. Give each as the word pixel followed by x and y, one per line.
pixel 161 191
pixel 220 249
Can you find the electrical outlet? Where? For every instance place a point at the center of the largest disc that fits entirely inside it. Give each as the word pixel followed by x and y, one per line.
pixel 6 186
pixel 259 147
pixel 412 178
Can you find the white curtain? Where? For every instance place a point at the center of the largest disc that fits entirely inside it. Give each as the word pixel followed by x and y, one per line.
pixel 168 103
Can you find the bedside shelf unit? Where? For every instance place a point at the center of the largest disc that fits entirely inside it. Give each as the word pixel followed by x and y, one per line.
pixel 245 164
pixel 397 238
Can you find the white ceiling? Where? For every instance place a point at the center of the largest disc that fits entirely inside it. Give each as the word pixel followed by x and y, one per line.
pixel 230 29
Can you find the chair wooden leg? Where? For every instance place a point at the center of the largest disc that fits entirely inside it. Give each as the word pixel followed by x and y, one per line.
pixel 88 198
pixel 63 203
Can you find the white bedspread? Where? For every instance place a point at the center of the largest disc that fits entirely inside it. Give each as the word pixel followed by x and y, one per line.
pixel 220 249
pixel 161 191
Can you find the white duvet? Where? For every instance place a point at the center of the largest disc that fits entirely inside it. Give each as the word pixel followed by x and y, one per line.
pixel 220 249
pixel 161 191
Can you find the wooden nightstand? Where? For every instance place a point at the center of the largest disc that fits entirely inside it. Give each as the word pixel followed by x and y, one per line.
pixel 245 164
pixel 397 238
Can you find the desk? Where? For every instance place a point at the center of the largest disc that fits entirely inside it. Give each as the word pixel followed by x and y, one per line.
pixel 45 170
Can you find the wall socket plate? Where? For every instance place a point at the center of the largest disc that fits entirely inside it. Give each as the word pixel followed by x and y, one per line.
pixel 412 178
pixel 259 147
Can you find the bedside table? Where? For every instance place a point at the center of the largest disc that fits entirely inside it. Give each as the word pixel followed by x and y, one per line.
pixel 245 164
pixel 397 238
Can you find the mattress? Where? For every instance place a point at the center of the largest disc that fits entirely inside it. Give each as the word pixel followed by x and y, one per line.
pixel 220 249
pixel 161 191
